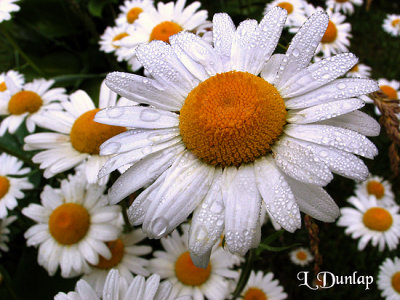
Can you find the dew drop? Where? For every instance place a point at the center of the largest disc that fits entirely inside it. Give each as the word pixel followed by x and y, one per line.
pixel 149 115
pixel 159 226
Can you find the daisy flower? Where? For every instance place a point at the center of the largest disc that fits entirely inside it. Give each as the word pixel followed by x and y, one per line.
pixel 77 137
pixel 295 11
pixel 345 6
pixel 17 78
pixel 11 187
pixel 262 286
pixel 359 71
pixel 73 225
pixel 4 231
pixel 390 88
pixel 371 222
pixel 239 139
pixel 29 103
pixel 6 7
pixel 381 189
pixel 131 9
pixel 124 257
pixel 389 278
pixel 175 264
pixel 301 256
pixel 391 24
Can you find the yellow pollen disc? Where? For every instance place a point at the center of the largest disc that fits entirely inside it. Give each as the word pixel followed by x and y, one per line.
pixel 87 135
pixel 376 188
pixel 4 186
pixel 330 33
pixel 396 22
pixel 164 30
pixel 119 37
pixel 24 101
pixel 389 91
pixel 133 14
pixel 69 223
pixel 377 218
pixel 396 282
pixel 232 118
pixel 188 273
pixel 354 69
pixel 286 5
pixel 117 253
pixel 341 1
pixel 3 86
pixel 301 255
pixel 254 293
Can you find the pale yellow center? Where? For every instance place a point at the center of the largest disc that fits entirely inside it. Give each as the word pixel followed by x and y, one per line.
pixel 254 293
pixel 24 101
pixel 4 186
pixel 330 33
pixel 377 218
pixel 389 91
pixel 376 188
pixel 396 282
pixel 286 5
pixel 164 30
pixel 133 14
pixel 188 274
pixel 117 253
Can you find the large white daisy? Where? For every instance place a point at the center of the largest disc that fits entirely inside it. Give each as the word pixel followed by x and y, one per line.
pixel 345 6
pixel 238 138
pixel 6 7
pixel 391 24
pixel 262 287
pixel 369 221
pixel 296 15
pixel 11 187
pixel 381 189
pixel 131 9
pixel 4 232
pixel 389 278
pixel 175 265
pixel 77 137
pixel 73 225
pixel 124 257
pixel 29 103
pixel 301 256
pixel 17 78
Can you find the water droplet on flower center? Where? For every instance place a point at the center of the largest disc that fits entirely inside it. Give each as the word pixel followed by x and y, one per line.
pixel 377 218
pixel 164 30
pixel 188 273
pixel 24 101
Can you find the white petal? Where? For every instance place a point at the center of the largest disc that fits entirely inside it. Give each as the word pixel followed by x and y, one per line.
pixel 271 68
pixel 223 31
pixel 106 97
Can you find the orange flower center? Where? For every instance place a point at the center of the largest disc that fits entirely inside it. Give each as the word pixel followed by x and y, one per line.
pixel 69 223
pixel 330 33
pixel 133 14
pixel 301 255
pixel 24 101
pixel 341 1
pixel 188 273
pixel 396 282
pixel 232 118
pixel 286 5
pixel 395 22
pixel 119 37
pixel 254 293
pixel 376 188
pixel 164 30
pixel 117 253
pixel 3 86
pixel 377 218
pixel 389 91
pixel 4 186
pixel 354 69
pixel 87 135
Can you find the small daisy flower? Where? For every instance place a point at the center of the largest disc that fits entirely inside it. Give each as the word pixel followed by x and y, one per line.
pixel 175 264
pixel 381 189
pixel 296 15
pixel 262 286
pixel 73 225
pixel 124 257
pixel 17 79
pixel 301 256
pixel 359 71
pixel 4 232
pixel 371 222
pixel 11 187
pixel 389 278
pixel 77 137
pixel 391 24
pixel 131 9
pixel 6 7
pixel 245 116
pixel 345 6
pixel 391 88
pixel 28 103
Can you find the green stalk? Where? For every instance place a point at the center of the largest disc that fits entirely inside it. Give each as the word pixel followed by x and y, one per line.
pixel 244 276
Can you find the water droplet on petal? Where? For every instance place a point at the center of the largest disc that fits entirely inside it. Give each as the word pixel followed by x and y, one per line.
pixel 159 226
pixel 149 115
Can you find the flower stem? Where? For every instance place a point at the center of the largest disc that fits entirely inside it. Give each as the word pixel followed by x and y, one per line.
pixel 245 274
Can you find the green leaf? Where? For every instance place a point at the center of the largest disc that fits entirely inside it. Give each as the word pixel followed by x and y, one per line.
pixel 96 6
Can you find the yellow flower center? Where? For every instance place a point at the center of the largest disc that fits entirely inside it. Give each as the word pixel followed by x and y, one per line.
pixel 232 118
pixel 133 14
pixel 354 69
pixel 341 1
pixel 164 30
pixel 69 223
pixel 396 282
pixel 389 91
pixel 119 37
pixel 3 86
pixel 188 273
pixel 117 253
pixel 301 255
pixel 377 218
pixel 376 188
pixel 395 22
pixel 286 5
pixel 254 293
pixel 4 186
pixel 330 33
pixel 87 135
pixel 24 101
